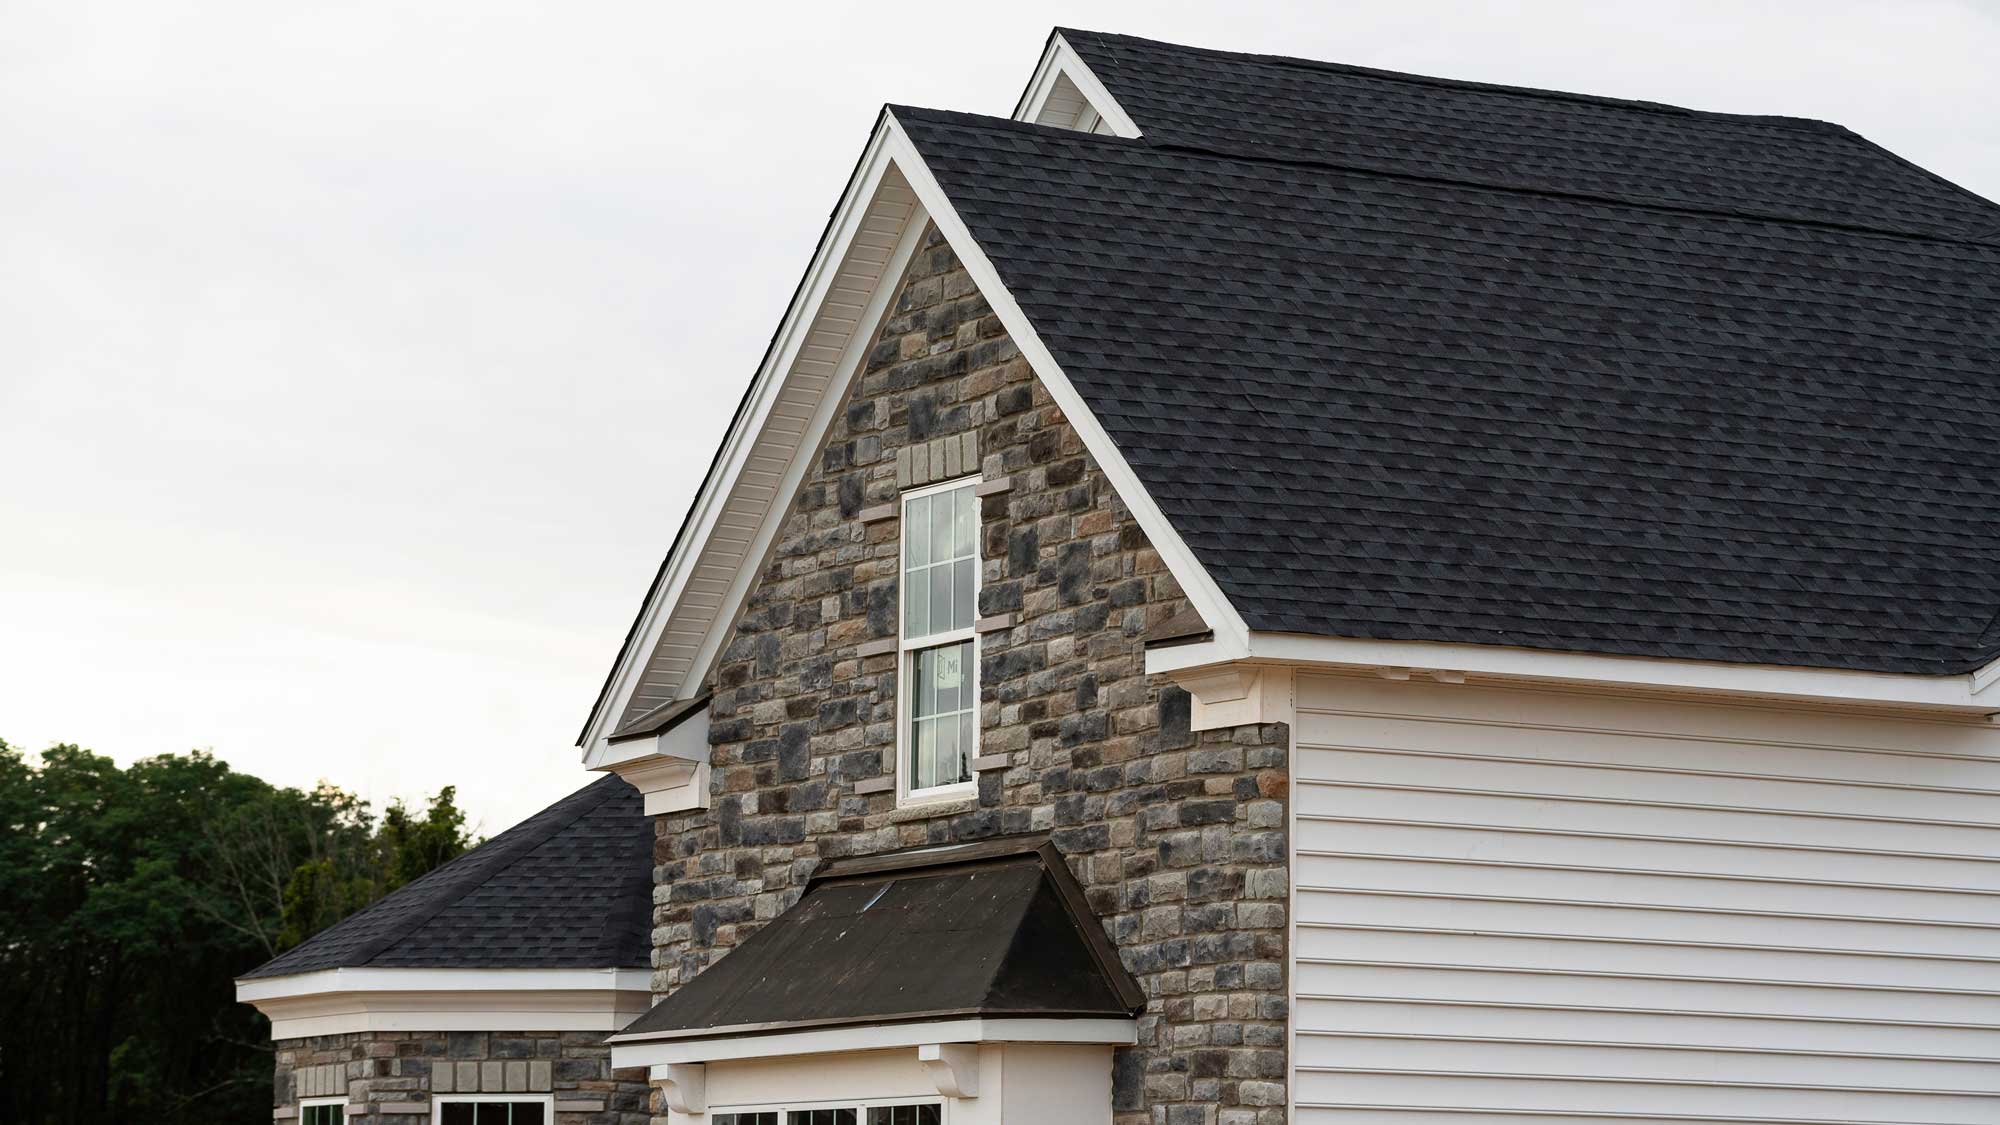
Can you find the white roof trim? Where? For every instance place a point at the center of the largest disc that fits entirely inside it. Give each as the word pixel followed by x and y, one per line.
pixel 1201 589
pixel 828 326
pixel 1061 81
pixel 1958 693
pixel 827 333
pixel 342 1001
pixel 869 1037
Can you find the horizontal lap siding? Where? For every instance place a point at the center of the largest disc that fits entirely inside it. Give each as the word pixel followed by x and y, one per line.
pixel 1518 907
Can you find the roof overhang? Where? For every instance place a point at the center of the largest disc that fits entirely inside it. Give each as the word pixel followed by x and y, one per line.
pixel 825 335
pixel 342 1001
pixel 1233 675
pixel 1065 94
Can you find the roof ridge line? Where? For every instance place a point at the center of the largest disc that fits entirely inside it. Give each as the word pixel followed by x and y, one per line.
pixel 1979 238
pixel 1779 121
pixel 456 888
pixel 1984 237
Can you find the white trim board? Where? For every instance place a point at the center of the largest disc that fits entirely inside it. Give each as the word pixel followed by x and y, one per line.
pixel 341 1001
pixel 1062 78
pixel 1966 694
pixel 890 199
pixel 638 1050
pixel 838 304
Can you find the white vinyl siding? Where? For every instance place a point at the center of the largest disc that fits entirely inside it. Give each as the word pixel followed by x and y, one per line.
pixel 1527 907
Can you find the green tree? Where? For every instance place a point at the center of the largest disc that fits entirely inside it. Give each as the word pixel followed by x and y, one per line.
pixel 131 898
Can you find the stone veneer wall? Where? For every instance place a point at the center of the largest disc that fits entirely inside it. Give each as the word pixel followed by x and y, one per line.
pixel 394 1074
pixel 1177 837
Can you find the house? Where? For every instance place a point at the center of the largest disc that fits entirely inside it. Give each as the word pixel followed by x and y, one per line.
pixel 1259 590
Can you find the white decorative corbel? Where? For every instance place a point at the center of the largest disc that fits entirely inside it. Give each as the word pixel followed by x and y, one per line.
pixel 1237 694
pixel 952 1067
pixel 684 1086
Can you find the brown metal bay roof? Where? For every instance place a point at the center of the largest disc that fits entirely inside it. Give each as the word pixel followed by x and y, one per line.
pixel 997 928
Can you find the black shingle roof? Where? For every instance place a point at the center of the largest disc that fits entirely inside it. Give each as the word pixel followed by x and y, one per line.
pixel 1383 394
pixel 994 928
pixel 1296 109
pixel 569 887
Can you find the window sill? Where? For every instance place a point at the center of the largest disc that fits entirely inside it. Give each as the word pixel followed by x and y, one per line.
pixel 929 805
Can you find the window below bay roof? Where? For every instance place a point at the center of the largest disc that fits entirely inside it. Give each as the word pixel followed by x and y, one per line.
pixel 938 720
pixel 910 1113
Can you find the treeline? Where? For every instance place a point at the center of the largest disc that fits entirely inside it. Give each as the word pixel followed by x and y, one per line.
pixel 131 898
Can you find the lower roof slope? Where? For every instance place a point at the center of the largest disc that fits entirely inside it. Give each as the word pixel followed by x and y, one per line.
pixel 1390 406
pixel 996 928
pixel 569 887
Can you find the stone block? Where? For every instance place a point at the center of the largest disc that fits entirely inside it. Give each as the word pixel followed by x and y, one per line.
pixel 540 1076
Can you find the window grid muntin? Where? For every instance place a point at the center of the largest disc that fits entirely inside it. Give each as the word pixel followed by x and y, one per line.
pixel 898 1111
pixel 500 1109
pixel 940 561
pixel 922 555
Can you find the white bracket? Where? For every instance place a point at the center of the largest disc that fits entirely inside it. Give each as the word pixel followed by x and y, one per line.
pixel 684 1086
pixel 952 1067
pixel 1237 694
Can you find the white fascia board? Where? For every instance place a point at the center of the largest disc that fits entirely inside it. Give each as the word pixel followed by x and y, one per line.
pixel 1060 61
pixel 325 981
pixel 1956 693
pixel 851 359
pixel 730 462
pixel 636 1051
pixel 1201 589
pixel 345 1001
pixel 1985 677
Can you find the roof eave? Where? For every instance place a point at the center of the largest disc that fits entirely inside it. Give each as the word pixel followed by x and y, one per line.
pixel 1962 694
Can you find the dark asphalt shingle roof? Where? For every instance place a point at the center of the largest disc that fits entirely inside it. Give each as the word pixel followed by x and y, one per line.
pixel 569 887
pixel 1298 109
pixel 1382 400
pixel 994 928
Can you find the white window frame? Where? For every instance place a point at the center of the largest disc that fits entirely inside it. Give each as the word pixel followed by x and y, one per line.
pixel 341 1101
pixel 906 650
pixel 860 1107
pixel 439 1101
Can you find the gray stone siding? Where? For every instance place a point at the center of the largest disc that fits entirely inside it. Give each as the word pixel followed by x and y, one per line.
pixel 395 1074
pixel 1178 838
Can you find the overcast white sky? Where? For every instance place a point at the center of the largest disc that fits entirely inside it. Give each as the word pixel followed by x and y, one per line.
pixel 358 360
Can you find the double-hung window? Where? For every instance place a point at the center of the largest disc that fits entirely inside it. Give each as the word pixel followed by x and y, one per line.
pixel 323 1111
pixel 938 721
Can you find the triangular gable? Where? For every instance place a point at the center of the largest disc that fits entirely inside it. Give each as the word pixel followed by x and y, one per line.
pixel 825 335
pixel 1064 93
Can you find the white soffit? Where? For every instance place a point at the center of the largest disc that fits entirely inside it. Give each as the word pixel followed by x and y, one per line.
pixel 825 332
pixel 826 335
pixel 342 1001
pixel 1963 695
pixel 1066 95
